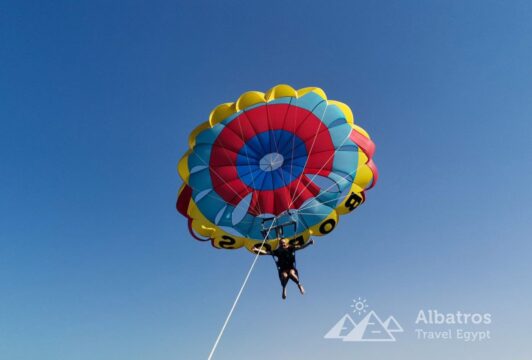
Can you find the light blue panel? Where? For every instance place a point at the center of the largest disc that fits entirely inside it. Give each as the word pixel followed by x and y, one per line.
pixel 341 135
pixel 328 198
pixel 200 181
pixel 246 225
pixel 211 205
pixel 250 227
pixel 333 114
pixel 345 162
pixel 200 156
pixel 342 179
pixel 310 101
pixel 319 110
pixel 208 136
pixel 314 212
pixel 283 100
pixel 226 219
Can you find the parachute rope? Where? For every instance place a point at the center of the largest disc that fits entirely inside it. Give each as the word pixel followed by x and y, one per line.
pixel 238 295
pixel 310 152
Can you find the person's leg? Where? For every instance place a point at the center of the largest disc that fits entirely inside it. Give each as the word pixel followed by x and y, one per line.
pixel 283 275
pixel 295 278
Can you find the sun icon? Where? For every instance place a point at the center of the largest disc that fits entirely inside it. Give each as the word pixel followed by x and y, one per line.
pixel 359 306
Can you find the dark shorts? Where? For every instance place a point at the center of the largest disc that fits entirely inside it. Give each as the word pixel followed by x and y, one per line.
pixel 286 269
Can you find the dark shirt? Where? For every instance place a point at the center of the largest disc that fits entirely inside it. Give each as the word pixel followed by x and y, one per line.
pixel 285 257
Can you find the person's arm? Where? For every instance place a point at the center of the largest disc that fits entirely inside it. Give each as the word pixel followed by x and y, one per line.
pixel 262 251
pixel 300 247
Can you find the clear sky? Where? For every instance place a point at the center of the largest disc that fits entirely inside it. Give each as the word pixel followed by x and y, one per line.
pixel 96 102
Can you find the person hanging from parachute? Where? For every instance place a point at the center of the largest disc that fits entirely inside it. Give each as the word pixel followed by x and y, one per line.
pixel 281 164
pixel 285 259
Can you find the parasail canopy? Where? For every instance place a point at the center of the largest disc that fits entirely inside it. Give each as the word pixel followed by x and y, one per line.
pixel 285 163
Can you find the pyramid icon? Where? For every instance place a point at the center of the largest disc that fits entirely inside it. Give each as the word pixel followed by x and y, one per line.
pixel 370 328
pixel 392 325
pixel 343 327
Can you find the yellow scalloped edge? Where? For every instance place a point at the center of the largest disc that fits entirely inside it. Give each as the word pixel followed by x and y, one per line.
pixel 220 113
pixel 280 91
pixel 251 98
pixel 248 99
pixel 182 167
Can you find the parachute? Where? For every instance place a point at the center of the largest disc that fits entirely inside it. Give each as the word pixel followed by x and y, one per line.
pixel 285 163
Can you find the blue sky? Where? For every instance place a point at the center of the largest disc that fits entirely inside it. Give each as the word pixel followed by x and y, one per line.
pixel 96 103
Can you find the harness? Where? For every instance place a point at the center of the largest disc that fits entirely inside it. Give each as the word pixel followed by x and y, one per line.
pixel 276 227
